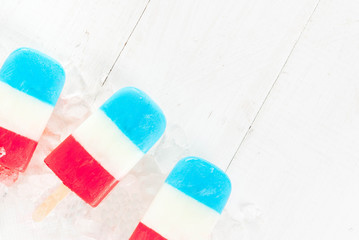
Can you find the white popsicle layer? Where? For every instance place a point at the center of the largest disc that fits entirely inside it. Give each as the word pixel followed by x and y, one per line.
pixel 176 216
pixel 22 113
pixel 106 143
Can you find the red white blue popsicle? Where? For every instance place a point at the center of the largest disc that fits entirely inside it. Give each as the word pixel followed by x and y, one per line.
pixel 30 85
pixel 188 204
pixel 108 144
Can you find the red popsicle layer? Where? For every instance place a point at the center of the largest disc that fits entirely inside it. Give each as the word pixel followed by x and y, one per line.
pixel 17 150
pixel 142 232
pixel 80 172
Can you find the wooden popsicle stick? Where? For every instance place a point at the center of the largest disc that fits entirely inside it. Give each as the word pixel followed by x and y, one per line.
pixel 50 203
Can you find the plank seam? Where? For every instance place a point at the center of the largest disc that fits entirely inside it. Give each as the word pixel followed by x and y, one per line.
pixel 124 45
pixel 274 83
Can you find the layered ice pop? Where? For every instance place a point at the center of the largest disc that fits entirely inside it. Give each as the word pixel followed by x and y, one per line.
pixel 108 144
pixel 30 85
pixel 188 204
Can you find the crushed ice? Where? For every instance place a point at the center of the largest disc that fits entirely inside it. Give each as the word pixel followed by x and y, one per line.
pixel 117 216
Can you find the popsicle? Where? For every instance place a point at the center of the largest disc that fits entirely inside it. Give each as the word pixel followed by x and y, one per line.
pixel 188 204
pixel 30 85
pixel 93 159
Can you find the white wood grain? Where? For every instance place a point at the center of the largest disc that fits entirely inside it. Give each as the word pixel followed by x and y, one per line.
pixel 210 64
pixel 300 161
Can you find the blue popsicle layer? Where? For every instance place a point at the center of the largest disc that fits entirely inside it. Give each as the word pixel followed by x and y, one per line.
pixel 202 181
pixel 35 74
pixel 137 116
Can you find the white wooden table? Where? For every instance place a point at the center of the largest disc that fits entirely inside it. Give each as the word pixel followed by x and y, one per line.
pixel 266 89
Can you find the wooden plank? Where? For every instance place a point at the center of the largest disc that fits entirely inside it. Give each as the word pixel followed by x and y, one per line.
pixel 85 36
pixel 210 65
pixel 299 163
